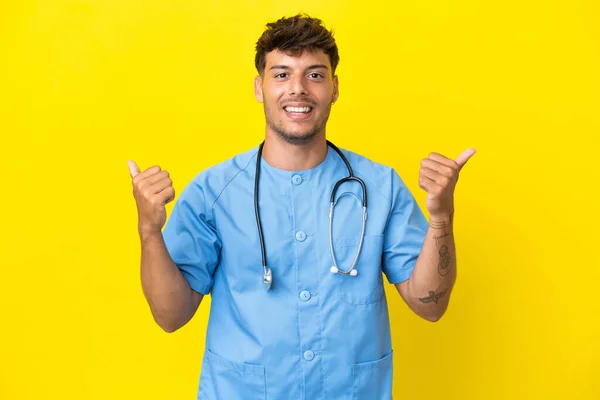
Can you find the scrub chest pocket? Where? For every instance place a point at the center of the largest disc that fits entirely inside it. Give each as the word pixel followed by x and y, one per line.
pixel 366 287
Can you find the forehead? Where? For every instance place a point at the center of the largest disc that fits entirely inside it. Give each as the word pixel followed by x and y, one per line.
pixel 304 60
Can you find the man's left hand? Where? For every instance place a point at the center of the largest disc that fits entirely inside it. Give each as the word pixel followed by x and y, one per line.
pixel 438 176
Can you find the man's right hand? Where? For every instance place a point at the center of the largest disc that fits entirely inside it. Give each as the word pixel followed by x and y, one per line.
pixel 152 189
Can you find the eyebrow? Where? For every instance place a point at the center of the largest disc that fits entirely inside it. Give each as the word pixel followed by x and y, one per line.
pixel 316 66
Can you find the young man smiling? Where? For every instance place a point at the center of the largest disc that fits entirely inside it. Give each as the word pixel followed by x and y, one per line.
pixel 298 303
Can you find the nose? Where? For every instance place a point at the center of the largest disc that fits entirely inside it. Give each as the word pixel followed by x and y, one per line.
pixel 297 86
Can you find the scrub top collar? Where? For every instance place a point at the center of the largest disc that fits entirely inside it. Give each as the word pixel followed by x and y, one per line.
pixel 306 174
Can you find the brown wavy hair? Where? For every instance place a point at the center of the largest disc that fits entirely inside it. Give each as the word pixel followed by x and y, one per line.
pixel 294 35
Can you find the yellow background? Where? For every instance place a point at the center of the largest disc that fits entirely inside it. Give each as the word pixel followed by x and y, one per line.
pixel 87 85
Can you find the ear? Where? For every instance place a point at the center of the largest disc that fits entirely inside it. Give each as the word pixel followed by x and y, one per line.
pixel 258 92
pixel 336 89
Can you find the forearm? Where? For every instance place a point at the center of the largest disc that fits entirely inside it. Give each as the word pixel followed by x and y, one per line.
pixel 434 275
pixel 167 291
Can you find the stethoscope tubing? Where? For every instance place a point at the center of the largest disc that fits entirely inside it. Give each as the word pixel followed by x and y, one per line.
pixel 267 272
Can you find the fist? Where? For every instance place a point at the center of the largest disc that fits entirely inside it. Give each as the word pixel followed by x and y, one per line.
pixel 438 176
pixel 152 189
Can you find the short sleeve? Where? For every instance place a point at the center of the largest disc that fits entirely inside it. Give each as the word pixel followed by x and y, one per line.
pixel 405 233
pixel 191 238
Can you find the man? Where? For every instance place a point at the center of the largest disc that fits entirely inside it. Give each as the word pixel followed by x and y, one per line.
pixel 305 319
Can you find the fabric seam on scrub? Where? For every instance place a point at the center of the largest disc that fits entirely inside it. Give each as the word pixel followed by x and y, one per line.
pixel 231 180
pixel 364 178
pixel 390 200
pixel 405 274
pixel 212 207
pixel 207 288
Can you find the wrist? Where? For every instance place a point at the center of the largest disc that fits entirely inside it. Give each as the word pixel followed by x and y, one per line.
pixel 149 233
pixel 442 220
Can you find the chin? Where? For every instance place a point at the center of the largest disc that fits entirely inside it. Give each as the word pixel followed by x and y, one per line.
pixel 297 138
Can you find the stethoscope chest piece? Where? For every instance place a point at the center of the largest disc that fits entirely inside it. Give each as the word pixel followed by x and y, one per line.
pixel 268 278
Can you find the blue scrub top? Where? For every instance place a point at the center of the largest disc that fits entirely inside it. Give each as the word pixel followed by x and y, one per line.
pixel 315 334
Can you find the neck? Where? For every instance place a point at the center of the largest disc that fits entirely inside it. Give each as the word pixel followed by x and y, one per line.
pixel 291 157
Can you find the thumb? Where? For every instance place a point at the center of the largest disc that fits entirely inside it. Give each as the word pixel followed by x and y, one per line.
pixel 462 159
pixel 133 168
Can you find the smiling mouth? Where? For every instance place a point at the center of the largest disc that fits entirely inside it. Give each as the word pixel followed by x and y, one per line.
pixel 298 110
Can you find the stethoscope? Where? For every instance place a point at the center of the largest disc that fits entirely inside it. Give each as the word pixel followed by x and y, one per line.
pixel 267 273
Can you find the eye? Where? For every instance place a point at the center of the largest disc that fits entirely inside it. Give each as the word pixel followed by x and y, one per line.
pixel 281 75
pixel 315 75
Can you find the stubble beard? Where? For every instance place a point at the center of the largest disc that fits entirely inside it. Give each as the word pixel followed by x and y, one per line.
pixel 294 138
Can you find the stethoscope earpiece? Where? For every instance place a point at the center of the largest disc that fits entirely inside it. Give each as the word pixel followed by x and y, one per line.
pixel 335 270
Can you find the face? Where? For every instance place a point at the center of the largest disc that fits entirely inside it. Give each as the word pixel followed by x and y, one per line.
pixel 297 93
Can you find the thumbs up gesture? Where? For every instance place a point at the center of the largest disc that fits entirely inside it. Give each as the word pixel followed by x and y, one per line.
pixel 152 190
pixel 438 176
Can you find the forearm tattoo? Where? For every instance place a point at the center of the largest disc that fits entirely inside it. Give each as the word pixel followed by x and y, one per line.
pixel 441 224
pixel 445 261
pixel 437 238
pixel 433 296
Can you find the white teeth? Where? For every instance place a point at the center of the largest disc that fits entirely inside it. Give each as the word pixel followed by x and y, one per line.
pixel 298 109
